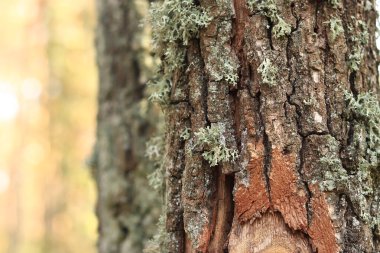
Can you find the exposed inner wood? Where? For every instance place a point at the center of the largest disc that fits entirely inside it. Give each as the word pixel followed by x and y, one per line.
pixel 269 234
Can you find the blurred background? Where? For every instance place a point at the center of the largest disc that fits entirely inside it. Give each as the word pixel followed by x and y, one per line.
pixel 47 126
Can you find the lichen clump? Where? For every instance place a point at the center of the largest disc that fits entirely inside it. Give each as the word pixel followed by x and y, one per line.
pixel 160 240
pixel 174 23
pixel 357 185
pixel 223 67
pixel 269 9
pixel 268 72
pixel 213 141
pixel 336 27
pixel 154 151
pixel 359 37
pixel 366 110
pixel 335 3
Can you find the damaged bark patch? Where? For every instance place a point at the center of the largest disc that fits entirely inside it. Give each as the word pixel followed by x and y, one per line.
pixel 286 194
pixel 268 234
pixel 252 201
pixel 286 202
pixel 321 230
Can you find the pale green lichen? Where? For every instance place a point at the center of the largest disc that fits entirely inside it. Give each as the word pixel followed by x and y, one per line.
pixel 160 87
pixel 335 176
pixel 195 226
pixel 160 240
pixel 335 3
pixel 154 151
pixel 174 23
pixel 213 141
pixel 366 109
pixel 354 59
pixel 223 67
pixel 360 184
pixel 281 28
pixel 359 37
pixel 357 185
pixel 268 72
pixel 269 9
pixel 185 135
pixel 336 27
pixel 222 63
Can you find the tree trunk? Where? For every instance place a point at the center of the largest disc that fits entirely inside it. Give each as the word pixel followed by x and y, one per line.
pixel 284 84
pixel 127 209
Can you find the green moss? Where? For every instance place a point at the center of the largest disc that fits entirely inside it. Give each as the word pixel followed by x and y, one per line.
pixel 268 72
pixel 269 9
pixel 336 27
pixel 212 140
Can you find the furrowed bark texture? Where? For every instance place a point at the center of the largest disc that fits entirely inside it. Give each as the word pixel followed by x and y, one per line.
pixel 127 209
pixel 269 200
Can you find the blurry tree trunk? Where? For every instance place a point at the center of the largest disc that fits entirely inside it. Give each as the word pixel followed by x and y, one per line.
pixel 126 206
pixel 307 175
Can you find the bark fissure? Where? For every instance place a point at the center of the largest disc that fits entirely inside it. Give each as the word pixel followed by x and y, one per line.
pixel 267 147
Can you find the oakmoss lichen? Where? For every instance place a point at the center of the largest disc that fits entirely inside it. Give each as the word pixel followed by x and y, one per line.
pixel 336 27
pixel 185 135
pixel 222 66
pixel 212 140
pixel 269 9
pixel 335 3
pixel 160 240
pixel 155 149
pixel 357 185
pixel 335 176
pixel 268 72
pixel 360 183
pixel 174 23
pixel 366 111
pixel 359 37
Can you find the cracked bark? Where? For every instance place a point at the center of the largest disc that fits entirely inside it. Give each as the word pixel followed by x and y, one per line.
pixel 277 205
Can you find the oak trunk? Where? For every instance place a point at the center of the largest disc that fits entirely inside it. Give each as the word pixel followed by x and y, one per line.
pixel 294 186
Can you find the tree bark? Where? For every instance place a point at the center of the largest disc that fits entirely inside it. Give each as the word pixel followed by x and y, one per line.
pixel 304 180
pixel 127 209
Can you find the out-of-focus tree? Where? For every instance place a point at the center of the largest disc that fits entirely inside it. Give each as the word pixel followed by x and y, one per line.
pixel 127 208
pixel 47 91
